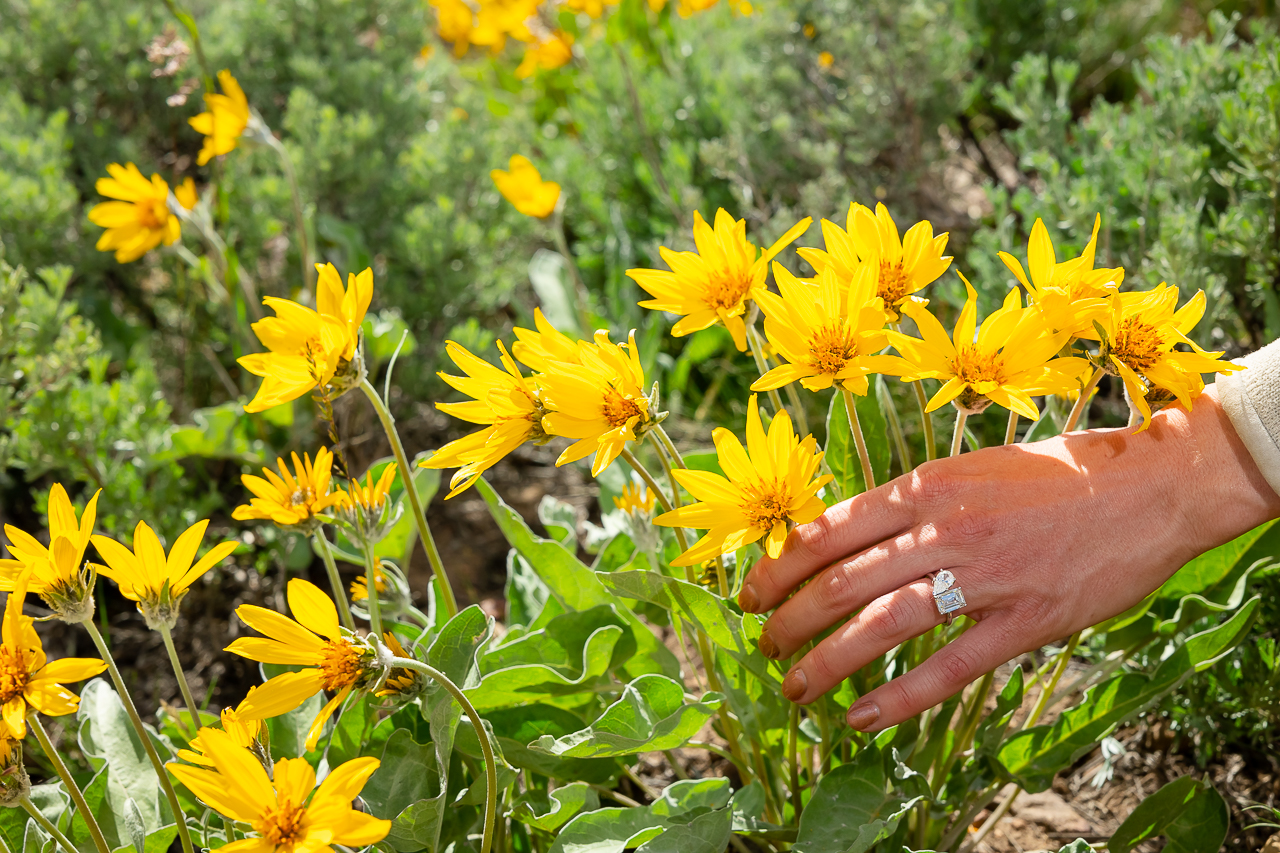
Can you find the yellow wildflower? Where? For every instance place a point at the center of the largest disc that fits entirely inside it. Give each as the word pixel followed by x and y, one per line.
pixel 549 54
pixel 58 570
pixel 295 497
pixel 1141 330
pixel 245 734
pixel 769 484
pixel 828 337
pixel 600 402
pixel 139 219
pixel 226 117
pixel 186 194
pixel 1007 361
pixel 593 8
pixel 334 661
pixel 370 496
pixel 360 586
pixel 826 60
pixel 1072 286
pixel 900 267
pixel 28 680
pixel 158 584
pixel 715 283
pixel 635 499
pixel 502 400
pixel 544 347
pixel 454 23
pixel 288 813
pixel 348 305
pixel 498 20
pixel 524 188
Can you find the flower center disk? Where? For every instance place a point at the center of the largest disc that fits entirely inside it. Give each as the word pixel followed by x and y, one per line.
pixel 726 290
pixel 282 826
pixel 768 506
pixel 894 283
pixel 1137 344
pixel 619 409
pixel 14 675
pixel 340 665
pixel 831 349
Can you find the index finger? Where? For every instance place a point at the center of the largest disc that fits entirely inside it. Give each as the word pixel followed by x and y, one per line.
pixel 846 528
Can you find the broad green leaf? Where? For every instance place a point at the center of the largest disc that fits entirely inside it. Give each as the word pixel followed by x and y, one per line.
pixel 515 685
pixel 550 812
pixel 417 827
pixel 607 831
pixel 701 607
pixel 706 833
pixel 408 773
pixel 681 805
pixel 1211 567
pixel 525 593
pixel 97 795
pixel 107 737
pixel 518 727
pixel 1189 812
pixel 996 722
pixel 1077 846
pixel 842 453
pixel 288 732
pixel 852 808
pixel 1195 606
pixel 560 643
pixel 1033 756
pixel 561 520
pixel 747 806
pixel 692 794
pixel 351 730
pixel 650 715
pixel 549 274
pixel 51 800
pixel 455 649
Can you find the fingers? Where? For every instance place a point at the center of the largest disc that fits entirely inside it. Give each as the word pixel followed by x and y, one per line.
pixel 884 623
pixel 962 661
pixel 844 529
pixel 847 586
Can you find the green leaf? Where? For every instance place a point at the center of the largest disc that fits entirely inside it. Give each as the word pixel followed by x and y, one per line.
pixel 550 812
pixel 417 827
pixel 288 732
pixel 1033 756
pixel 842 453
pixel 516 685
pixel 1189 812
pixel 993 726
pixel 561 642
pixel 650 715
pixel 852 808
pixel 550 276
pixel 561 520
pixel 455 650
pixel 525 593
pixel 706 833
pixel 517 727
pixel 107 737
pixel 351 731
pixel 1211 567
pixel 607 831
pixel 683 806
pixel 408 773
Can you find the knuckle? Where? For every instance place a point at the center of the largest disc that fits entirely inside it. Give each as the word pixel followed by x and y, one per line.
pixel 822 666
pixel 931 485
pixel 968 527
pixel 882 619
pixel 839 588
pixel 818 537
pixel 957 668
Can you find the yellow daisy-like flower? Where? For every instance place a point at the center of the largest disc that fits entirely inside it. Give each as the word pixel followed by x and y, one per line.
pixel 288 813
pixel 900 267
pixel 291 497
pixel 502 400
pixel 547 346
pixel 593 8
pixel 370 496
pixel 360 586
pixel 715 283
pixel 245 734
pixel 829 334
pixel 156 582
pixel 498 20
pixel 523 187
pixel 28 680
pixel 1007 361
pixel 334 660
pixel 1140 333
pixel 310 349
pixel 1072 293
pixel 549 54
pixel 769 484
pixel 224 121
pixel 635 499
pixel 600 402
pixel 139 219
pixel 58 569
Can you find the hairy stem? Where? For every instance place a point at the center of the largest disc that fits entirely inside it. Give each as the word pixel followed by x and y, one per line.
pixel 371 588
pixel 335 581
pixel 1011 431
pixel 183 835
pixel 926 421
pixel 855 427
pixel 895 424
pixel 957 438
pixel 1083 403
pixel 77 797
pixel 166 633
pixel 415 503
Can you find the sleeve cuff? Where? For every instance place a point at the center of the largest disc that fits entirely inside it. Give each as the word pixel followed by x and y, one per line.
pixel 1251 399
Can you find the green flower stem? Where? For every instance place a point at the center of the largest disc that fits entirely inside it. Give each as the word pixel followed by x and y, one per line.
pixel 419 517
pixel 926 420
pixel 166 633
pixel 1011 431
pixel 134 718
pixel 371 587
pixel 895 424
pixel 77 797
pixel 957 438
pixel 490 763
pixel 667 468
pixel 45 824
pixel 335 581
pixel 299 217
pixel 1083 403
pixel 670 445
pixel 855 427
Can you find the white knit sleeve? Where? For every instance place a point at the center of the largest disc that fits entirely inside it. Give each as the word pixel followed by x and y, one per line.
pixel 1251 399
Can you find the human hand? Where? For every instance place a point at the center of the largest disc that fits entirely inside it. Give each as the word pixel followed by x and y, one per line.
pixel 1044 539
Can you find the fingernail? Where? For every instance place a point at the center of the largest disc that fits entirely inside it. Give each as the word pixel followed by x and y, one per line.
pixel 768 647
pixel 794 685
pixel 748 600
pixel 861 716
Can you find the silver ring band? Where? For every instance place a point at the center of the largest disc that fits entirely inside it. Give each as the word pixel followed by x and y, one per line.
pixel 946 595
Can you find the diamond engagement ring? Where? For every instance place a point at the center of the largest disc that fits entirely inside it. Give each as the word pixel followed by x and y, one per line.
pixel 947 595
